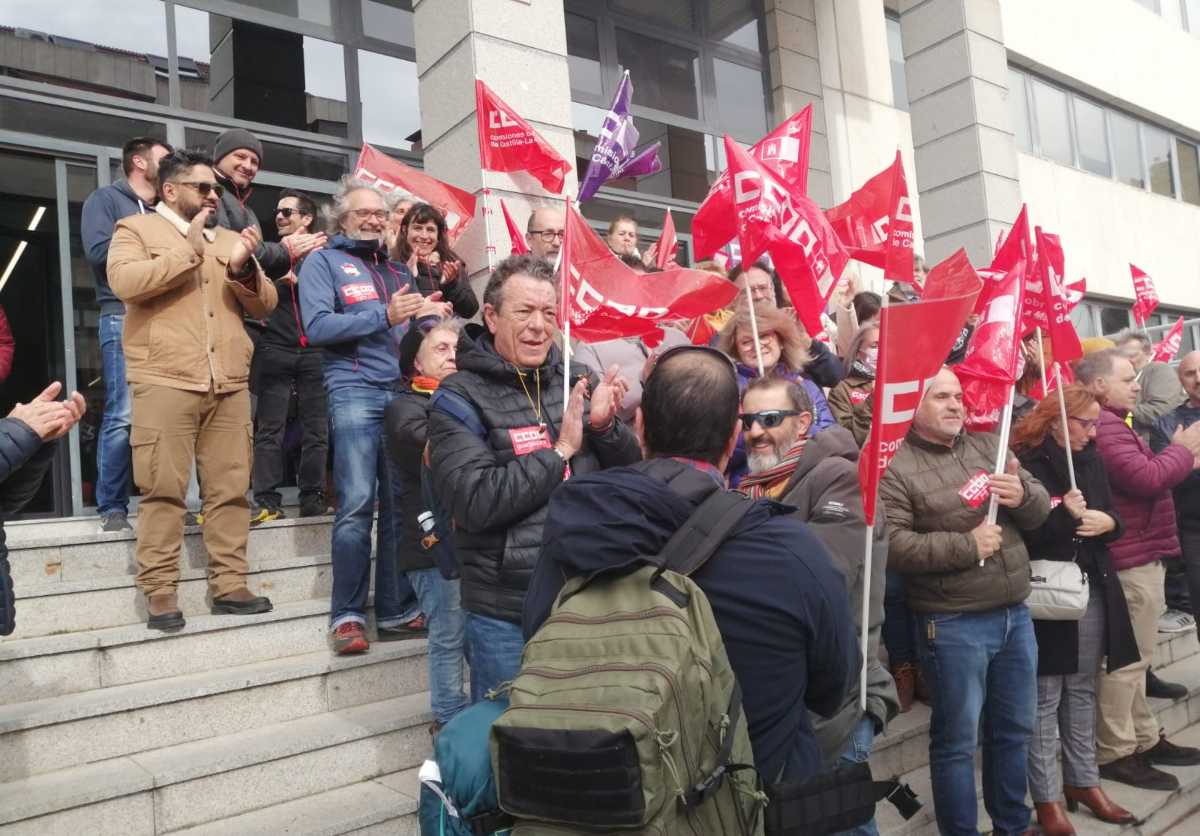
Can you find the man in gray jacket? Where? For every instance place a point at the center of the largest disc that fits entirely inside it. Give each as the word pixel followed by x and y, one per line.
pixel 818 476
pixel 1161 391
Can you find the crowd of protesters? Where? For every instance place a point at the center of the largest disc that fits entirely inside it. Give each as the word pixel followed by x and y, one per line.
pixel 488 484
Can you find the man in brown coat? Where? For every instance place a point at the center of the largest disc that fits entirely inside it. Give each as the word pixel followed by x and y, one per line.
pixel 186 284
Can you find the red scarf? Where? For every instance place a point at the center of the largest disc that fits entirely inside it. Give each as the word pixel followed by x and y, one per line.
pixel 425 385
pixel 770 483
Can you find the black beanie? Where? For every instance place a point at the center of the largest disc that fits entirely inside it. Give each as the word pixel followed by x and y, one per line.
pixel 234 139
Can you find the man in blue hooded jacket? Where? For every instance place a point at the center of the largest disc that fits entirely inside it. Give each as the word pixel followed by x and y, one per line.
pixel 356 304
pixel 779 603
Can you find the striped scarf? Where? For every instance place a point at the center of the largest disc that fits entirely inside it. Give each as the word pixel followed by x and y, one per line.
pixel 770 483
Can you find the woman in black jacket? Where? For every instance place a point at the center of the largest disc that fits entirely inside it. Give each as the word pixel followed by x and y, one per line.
pixel 423 243
pixel 1079 528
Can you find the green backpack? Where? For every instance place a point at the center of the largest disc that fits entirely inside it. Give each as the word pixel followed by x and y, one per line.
pixel 626 716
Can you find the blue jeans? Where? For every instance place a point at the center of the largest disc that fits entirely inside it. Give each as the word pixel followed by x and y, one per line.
pixel 440 602
pixel 858 750
pixel 494 652
pixel 362 472
pixel 980 665
pixel 114 464
pixel 899 632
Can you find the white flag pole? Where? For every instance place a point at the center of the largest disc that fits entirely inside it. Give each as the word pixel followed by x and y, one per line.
pixel 754 330
pixel 564 285
pixel 1001 454
pixel 487 220
pixel 1062 412
pixel 1042 362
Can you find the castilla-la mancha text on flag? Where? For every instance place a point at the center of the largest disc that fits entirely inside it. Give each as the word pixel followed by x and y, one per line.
pixel 784 151
pixel 605 299
pixel 391 175
pixel 876 224
pixel 508 143
pixel 1166 350
pixel 616 154
pixel 914 340
pixel 1146 296
pixel 518 244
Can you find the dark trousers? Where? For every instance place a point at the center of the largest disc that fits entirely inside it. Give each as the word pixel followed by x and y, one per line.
pixel 1182 586
pixel 276 372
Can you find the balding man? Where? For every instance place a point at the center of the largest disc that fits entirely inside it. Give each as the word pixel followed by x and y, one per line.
pixel 1158 388
pixel 544 232
pixel 1187 493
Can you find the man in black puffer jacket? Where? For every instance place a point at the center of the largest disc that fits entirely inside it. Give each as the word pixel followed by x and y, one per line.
pixel 500 443
pixel 25 455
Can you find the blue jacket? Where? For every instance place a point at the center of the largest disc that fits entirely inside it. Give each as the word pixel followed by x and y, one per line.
pixel 781 606
pixel 344 291
pixel 101 211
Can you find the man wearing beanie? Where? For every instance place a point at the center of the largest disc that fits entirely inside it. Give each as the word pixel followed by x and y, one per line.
pixel 237 156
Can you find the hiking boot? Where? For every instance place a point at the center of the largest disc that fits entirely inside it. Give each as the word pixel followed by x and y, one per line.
pixel 111 521
pixel 1136 771
pixel 164 613
pixel 314 506
pixel 193 518
pixel 267 513
pixel 905 675
pixel 415 629
pixel 1162 690
pixel 1175 621
pixel 349 638
pixel 240 602
pixel 1168 754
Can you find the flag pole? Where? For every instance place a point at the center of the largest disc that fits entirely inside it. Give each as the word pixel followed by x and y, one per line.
pixel 1062 412
pixel 754 330
pixel 1042 362
pixel 866 615
pixel 1001 454
pixel 487 219
pixel 564 285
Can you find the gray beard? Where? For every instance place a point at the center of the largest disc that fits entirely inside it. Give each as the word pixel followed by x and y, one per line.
pixel 763 461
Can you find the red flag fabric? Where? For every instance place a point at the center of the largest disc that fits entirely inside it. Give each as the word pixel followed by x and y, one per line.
pixel 876 224
pixel 1146 296
pixel 519 245
pixel 1166 350
pixel 388 174
pixel 784 151
pixel 994 358
pixel 806 251
pixel 508 143
pixel 914 340
pixel 1047 297
pixel 667 243
pixel 606 299
pixel 1016 246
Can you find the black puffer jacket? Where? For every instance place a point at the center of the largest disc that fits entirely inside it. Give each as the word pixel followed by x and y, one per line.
pixel 234 214
pixel 1187 492
pixel 458 293
pixel 24 461
pixel 497 497
pixel 405 424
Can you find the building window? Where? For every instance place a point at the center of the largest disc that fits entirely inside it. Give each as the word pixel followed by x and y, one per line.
pixel 1127 150
pixel 388 20
pixel 1018 105
pixel 583 56
pixel 1190 14
pixel 896 58
pixel 1189 172
pixel 1053 123
pixel 314 11
pixel 666 76
pixel 741 100
pixel 391 110
pixel 1158 157
pixel 671 14
pixel 1093 138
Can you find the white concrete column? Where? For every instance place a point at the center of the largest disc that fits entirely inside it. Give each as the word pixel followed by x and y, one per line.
pixel 966 160
pixel 519 49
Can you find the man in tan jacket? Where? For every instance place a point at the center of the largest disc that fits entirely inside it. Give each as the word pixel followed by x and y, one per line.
pixel 186 284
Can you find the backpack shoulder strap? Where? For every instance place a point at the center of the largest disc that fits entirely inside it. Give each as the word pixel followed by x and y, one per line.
pixel 457 406
pixel 704 532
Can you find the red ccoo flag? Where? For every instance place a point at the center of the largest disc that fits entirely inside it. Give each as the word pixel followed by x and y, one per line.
pixel 508 143
pixel 519 246
pixel 1166 350
pixel 994 358
pixel 1147 296
pixel 876 224
pixel 1047 298
pixel 914 340
pixel 665 256
pixel 389 175
pixel 606 300
pixel 784 151
pixel 804 247
pixel 1016 246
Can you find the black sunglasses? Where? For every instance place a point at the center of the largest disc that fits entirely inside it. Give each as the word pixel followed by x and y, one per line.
pixel 287 211
pixel 203 187
pixel 769 418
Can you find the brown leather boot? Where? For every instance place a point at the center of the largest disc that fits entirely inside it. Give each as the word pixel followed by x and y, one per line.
pixel 1102 807
pixel 240 602
pixel 905 675
pixel 1052 819
pixel 164 613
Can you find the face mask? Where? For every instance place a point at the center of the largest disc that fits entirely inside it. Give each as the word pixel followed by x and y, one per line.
pixel 872 358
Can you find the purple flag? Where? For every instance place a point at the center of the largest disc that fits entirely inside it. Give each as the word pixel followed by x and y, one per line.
pixel 615 154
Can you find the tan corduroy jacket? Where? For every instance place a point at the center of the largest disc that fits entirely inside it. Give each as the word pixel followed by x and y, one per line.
pixel 183 320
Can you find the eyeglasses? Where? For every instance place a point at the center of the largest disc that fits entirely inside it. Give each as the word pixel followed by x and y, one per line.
pixel 769 418
pixel 1086 423
pixel 548 236
pixel 203 187
pixel 287 211
pixel 364 214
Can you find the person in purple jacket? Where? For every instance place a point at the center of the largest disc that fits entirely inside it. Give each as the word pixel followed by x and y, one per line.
pixel 1129 740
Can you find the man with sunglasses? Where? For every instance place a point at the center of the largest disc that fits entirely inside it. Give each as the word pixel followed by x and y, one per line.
pixel 817 476
pixel 544 233
pixel 283 361
pixel 186 285
pixel 778 601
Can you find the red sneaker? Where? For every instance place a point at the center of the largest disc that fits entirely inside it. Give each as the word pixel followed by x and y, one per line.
pixel 349 638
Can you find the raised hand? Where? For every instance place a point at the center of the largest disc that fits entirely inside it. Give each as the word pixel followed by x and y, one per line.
pixel 195 233
pixel 1075 503
pixel 403 306
pixel 303 243
pixel 570 434
pixel 1007 487
pixel 607 398
pixel 248 241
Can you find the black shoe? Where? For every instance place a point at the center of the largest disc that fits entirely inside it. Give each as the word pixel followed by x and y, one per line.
pixel 1159 689
pixel 241 602
pixel 415 629
pixel 1136 771
pixel 114 521
pixel 313 506
pixel 1168 754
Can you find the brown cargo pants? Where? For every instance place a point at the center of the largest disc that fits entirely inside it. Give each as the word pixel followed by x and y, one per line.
pixel 171 429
